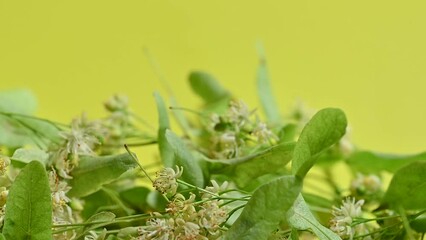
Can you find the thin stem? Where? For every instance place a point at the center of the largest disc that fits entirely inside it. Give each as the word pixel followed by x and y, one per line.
pixel 199 189
pixel 406 223
pixel 135 158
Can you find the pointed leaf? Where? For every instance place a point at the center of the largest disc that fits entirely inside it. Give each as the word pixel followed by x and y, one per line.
pixel 408 187
pixel 207 87
pixel 166 151
pixel 192 172
pixel 301 218
pixel 324 129
pixel 29 205
pixel 93 172
pixel 265 209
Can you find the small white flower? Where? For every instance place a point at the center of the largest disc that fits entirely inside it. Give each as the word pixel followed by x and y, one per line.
pixel 344 217
pixel 166 182
pixel 4 163
pixel 263 134
pixel 366 185
pixel 80 139
pixel 225 145
pixel 211 216
pixel 239 112
pixel 157 229
pixel 214 189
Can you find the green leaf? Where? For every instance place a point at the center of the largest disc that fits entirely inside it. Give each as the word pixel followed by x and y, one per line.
pixel 29 206
pixel 324 129
pixel 96 221
pixel 370 162
pixel 271 161
pixel 301 218
pixel 266 209
pixel 264 90
pixel 419 223
pixel 207 87
pixel 2 237
pixel 94 172
pixel 166 151
pixel 192 172
pixel 408 187
pixel 24 156
pixel 17 130
pixel 20 101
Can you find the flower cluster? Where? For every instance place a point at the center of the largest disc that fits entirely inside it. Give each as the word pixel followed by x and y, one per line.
pixel 185 217
pixel 4 163
pixel 343 222
pixel 367 186
pixel 80 139
pixel 62 213
pixel 166 181
pixel 230 132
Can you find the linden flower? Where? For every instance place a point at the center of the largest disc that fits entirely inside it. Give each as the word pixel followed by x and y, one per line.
pixel 226 144
pixel 158 229
pixel 263 134
pixel 343 218
pixel 79 140
pixel 4 163
pixel 366 185
pixel 166 182
pixel 239 112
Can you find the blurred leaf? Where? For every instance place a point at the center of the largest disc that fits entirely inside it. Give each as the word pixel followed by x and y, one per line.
pixel 136 197
pixel 20 101
pixel 419 223
pixel 264 90
pixel 2 237
pixel 324 129
pixel 166 151
pixel 408 187
pixel 95 203
pixel 29 205
pixel 318 201
pixel 265 209
pixel 370 162
pixel 24 156
pixel 156 201
pixel 288 133
pixel 271 161
pixel 294 234
pixel 93 172
pixel 192 172
pixel 207 87
pixel 180 117
pixel 16 129
pixel 300 217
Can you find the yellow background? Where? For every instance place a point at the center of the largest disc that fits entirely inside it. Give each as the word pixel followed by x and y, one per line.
pixel 366 57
